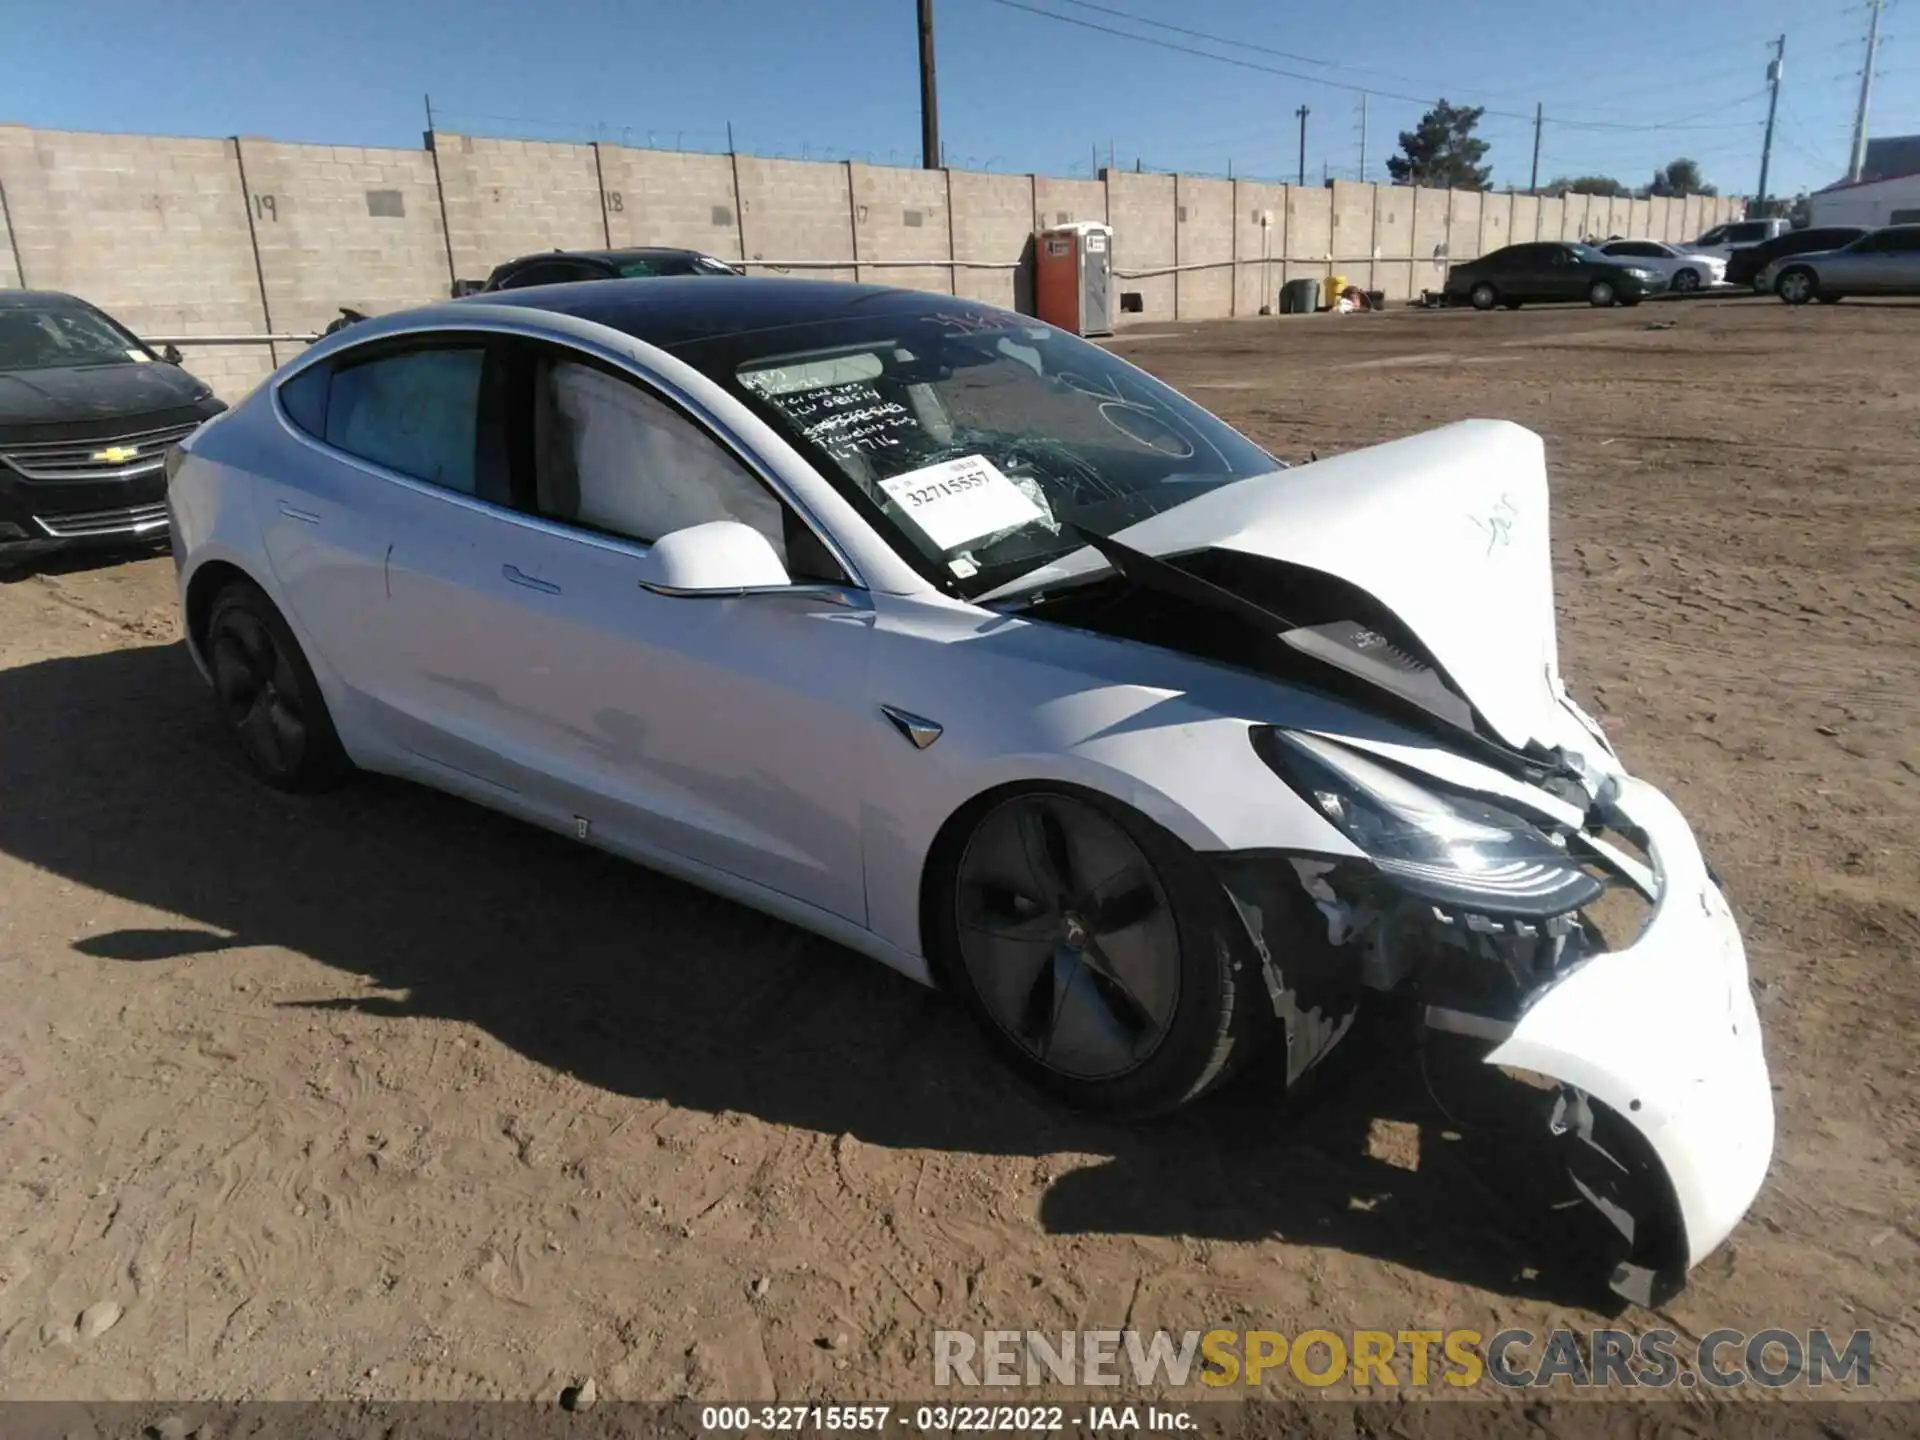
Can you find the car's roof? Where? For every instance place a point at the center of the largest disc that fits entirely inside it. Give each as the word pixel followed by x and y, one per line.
pixel 632 252
pixel 678 309
pixel 22 299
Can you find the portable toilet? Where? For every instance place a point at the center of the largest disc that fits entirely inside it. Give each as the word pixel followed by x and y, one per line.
pixel 1073 275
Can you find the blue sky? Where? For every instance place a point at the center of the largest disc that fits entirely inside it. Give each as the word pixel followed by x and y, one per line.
pixel 837 78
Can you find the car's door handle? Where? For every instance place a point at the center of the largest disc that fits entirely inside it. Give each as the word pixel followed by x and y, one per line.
pixel 294 512
pixel 519 577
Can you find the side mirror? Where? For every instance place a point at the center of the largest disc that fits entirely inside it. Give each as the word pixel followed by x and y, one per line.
pixel 172 355
pixel 714 560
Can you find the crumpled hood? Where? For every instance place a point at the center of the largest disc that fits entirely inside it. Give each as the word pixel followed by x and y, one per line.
pixel 1447 529
pixel 95 392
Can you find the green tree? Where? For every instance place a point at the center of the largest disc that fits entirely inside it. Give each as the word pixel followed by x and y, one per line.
pixel 1586 185
pixel 1680 177
pixel 1442 152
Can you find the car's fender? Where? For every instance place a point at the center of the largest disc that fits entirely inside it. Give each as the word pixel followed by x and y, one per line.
pixel 1021 702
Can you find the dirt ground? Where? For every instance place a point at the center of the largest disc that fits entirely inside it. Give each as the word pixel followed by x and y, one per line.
pixel 380 1095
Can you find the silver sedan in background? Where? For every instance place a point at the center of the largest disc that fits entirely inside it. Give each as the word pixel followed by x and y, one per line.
pixel 1881 262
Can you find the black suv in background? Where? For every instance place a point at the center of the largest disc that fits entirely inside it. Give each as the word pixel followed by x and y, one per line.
pixel 87 415
pixel 560 267
pixel 1744 265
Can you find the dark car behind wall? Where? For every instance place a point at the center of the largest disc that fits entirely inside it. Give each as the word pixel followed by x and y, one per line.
pixel 1744 265
pixel 87 415
pixel 563 267
pixel 1546 272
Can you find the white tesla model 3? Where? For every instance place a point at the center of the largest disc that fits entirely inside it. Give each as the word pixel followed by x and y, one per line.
pixel 958 640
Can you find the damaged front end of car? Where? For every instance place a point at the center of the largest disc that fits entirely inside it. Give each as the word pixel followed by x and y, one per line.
pixel 1482 909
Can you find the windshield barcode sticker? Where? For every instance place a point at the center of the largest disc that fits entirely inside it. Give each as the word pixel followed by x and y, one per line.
pixel 960 501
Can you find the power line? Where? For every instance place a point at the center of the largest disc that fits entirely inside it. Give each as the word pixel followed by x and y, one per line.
pixel 1679 124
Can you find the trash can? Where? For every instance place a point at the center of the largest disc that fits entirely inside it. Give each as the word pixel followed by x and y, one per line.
pixel 1299 297
pixel 1073 277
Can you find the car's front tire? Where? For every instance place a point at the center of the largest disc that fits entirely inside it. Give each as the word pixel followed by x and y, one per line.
pixel 1096 949
pixel 1601 295
pixel 267 695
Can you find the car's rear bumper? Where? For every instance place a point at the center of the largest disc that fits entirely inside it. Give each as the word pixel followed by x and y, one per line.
pixel 1664 1034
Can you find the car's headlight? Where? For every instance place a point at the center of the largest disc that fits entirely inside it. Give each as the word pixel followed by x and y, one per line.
pixel 1454 850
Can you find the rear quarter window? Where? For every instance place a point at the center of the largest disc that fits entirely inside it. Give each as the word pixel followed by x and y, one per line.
pixel 414 412
pixel 304 398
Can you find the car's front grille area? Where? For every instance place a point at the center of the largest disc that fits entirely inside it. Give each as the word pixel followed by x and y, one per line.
pixel 117 457
pixel 132 520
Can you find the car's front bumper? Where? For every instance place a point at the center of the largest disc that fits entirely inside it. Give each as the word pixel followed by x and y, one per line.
pixel 39 517
pixel 1664 1034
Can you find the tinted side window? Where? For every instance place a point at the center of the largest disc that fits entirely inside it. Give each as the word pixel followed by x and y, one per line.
pixel 1905 217
pixel 1716 236
pixel 1747 234
pixel 1904 241
pixel 304 398
pixel 416 412
pixel 612 456
pixel 551 272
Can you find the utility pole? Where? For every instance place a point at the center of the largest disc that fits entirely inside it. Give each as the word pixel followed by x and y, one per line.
pixel 1775 70
pixel 1363 137
pixel 1303 112
pixel 930 151
pixel 1539 115
pixel 1866 91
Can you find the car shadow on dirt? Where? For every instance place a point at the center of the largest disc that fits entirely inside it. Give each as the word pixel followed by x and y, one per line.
pixel 114 775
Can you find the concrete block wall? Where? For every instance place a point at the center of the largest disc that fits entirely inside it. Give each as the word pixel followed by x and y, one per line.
pixel 1552 219
pixel 341 226
pixel 901 214
pixel 506 198
pixel 9 271
pixel 151 228
pixel 664 197
pixel 1260 242
pixel 1393 207
pixel 1309 233
pixel 1525 225
pixel 1574 221
pixel 1640 220
pixel 1204 235
pixel 1463 226
pixel 186 236
pixel 1496 221
pixel 992 217
pixel 1141 210
pixel 1056 202
pixel 1432 238
pixel 1352 244
pixel 1693 221
pixel 796 210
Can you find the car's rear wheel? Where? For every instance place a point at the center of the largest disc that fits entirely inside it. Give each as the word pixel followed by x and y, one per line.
pixel 1686 281
pixel 1483 296
pixel 1098 951
pixel 267 694
pixel 1797 286
pixel 1602 294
